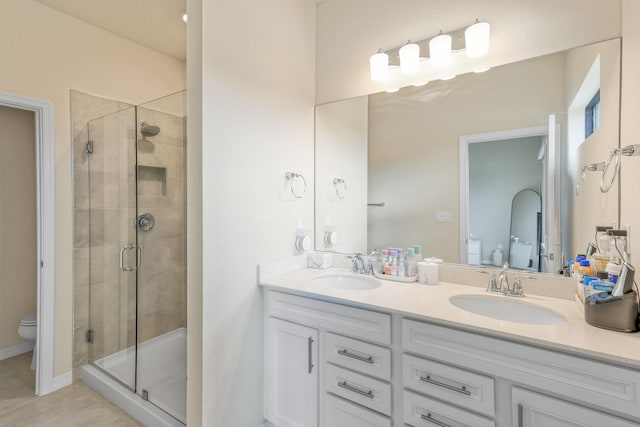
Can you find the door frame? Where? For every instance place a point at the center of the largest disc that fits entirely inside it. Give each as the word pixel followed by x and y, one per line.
pixel 465 141
pixel 45 219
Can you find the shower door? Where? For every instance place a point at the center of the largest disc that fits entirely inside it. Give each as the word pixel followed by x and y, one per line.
pixel 136 239
pixel 113 250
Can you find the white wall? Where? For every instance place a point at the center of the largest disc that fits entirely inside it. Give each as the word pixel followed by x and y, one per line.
pixel 257 123
pixel 341 152
pixel 350 31
pixel 18 259
pixel 44 54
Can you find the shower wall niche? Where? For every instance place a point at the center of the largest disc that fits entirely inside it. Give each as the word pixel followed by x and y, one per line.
pixel 129 272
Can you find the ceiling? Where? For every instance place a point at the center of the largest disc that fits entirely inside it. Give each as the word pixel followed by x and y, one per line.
pixel 151 23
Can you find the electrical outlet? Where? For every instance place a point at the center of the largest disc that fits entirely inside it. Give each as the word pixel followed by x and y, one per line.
pixel 627 227
pixel 443 216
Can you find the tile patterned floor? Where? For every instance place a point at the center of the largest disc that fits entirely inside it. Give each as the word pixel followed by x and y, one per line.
pixel 73 406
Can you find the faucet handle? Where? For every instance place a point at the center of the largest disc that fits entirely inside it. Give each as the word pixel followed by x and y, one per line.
pixel 517 286
pixel 493 286
pixel 505 267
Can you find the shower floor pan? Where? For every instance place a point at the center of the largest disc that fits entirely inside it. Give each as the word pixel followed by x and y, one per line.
pixel 162 368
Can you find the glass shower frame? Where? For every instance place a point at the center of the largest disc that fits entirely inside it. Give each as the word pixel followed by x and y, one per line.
pixel 137 276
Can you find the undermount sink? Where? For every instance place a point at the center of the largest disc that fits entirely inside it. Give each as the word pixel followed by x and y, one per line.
pixel 346 281
pixel 507 308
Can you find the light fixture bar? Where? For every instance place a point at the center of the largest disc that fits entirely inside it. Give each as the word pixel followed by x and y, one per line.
pixel 449 54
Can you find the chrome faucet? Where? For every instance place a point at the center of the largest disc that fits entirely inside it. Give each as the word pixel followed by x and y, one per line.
pixel 357 264
pixel 501 286
pixel 503 280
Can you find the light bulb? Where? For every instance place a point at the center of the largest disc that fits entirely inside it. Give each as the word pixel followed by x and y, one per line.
pixel 379 66
pixel 409 58
pixel 476 39
pixel 440 49
pixel 183 15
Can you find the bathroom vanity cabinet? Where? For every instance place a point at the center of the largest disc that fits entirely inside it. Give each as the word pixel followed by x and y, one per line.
pixel 329 364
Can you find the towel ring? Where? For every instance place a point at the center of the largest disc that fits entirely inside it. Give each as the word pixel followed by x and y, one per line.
pixel 615 154
pixel 292 177
pixel 339 183
pixel 588 168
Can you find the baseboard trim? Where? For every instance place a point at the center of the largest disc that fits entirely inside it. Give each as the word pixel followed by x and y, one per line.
pixel 14 350
pixel 62 380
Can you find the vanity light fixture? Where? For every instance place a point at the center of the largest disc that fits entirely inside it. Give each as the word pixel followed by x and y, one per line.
pixel 440 49
pixel 476 39
pixel 183 15
pixel 409 58
pixel 379 65
pixel 456 52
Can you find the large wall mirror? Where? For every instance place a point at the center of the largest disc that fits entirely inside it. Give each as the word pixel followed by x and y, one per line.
pixel 440 165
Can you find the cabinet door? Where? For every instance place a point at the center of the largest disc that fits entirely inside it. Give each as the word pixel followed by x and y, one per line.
pixel 291 374
pixel 531 409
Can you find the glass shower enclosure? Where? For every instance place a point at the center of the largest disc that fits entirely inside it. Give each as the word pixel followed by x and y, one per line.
pixel 136 219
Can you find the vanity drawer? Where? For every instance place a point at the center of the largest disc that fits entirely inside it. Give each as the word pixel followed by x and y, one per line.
pixel 420 411
pixel 356 322
pixel 596 383
pixel 360 356
pixel 448 383
pixel 338 413
pixel 365 391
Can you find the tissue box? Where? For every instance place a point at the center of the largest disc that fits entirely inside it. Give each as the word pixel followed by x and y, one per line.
pixel 319 260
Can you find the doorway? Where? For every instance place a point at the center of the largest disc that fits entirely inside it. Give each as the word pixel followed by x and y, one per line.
pixel 550 240
pixel 43 261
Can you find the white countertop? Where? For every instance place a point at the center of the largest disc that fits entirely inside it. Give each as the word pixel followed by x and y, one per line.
pixel 431 303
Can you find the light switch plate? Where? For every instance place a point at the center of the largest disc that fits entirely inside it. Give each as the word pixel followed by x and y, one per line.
pixel 443 216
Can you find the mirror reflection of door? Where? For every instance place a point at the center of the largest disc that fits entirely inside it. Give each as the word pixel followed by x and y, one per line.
pixel 498 170
pixel 526 230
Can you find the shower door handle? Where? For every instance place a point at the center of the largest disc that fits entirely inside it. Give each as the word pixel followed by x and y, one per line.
pixel 138 257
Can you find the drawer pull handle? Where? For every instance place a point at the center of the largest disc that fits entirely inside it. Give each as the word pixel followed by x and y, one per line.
pixel 346 353
pixel 346 386
pixel 462 390
pixel 432 420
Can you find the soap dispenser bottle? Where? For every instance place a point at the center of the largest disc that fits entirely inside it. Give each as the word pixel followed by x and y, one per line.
pixel 497 255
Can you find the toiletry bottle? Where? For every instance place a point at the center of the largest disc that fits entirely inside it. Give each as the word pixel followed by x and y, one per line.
pixel 412 264
pixel 394 264
pixel 418 251
pixel 497 255
pixel 387 262
pixel 402 267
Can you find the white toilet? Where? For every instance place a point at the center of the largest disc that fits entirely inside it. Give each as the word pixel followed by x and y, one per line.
pixel 28 330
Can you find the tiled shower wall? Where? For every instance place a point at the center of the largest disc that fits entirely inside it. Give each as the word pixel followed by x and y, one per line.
pixel 104 215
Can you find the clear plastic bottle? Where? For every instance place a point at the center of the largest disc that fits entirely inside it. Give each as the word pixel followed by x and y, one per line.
pixel 387 262
pixel 402 266
pixel 393 268
pixel 418 252
pixel 412 263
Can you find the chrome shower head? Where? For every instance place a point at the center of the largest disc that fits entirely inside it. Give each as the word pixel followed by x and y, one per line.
pixel 148 130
